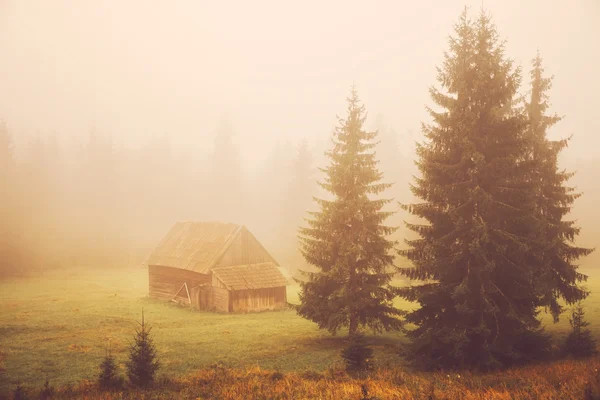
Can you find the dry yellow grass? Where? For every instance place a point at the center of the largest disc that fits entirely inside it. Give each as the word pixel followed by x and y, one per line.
pixel 562 380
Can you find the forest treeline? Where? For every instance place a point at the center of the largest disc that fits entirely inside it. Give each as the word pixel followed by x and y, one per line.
pixel 97 203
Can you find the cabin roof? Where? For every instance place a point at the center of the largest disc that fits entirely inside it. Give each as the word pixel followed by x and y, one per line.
pixel 195 246
pixel 250 276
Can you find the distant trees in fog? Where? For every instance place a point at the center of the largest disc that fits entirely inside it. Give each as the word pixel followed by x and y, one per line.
pixel 94 202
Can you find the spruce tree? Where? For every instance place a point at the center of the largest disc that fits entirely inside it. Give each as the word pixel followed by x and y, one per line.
pixel 143 362
pixel 300 185
pixel 109 376
pixel 298 198
pixel 558 277
pixel 346 241
pixel 227 191
pixel 358 356
pixel 47 391
pixel 477 303
pixel 19 393
pixel 580 342
pixel 9 207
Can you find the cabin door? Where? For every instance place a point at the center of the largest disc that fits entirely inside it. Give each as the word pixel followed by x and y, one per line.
pixel 201 297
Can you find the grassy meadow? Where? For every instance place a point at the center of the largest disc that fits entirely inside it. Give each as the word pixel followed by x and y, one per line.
pixel 56 326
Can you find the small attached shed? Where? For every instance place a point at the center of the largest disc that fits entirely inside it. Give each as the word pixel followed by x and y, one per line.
pixel 216 266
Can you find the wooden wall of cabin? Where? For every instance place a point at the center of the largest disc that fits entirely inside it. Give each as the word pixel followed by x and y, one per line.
pixel 201 297
pixel 209 298
pixel 258 299
pixel 220 299
pixel 245 249
pixel 164 282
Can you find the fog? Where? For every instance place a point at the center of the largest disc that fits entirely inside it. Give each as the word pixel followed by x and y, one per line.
pixel 125 117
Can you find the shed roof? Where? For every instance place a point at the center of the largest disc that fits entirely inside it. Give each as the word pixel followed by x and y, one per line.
pixel 251 276
pixel 195 246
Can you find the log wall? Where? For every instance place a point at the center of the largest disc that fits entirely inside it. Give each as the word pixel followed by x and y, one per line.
pixel 201 297
pixel 164 282
pixel 220 299
pixel 258 299
pixel 208 298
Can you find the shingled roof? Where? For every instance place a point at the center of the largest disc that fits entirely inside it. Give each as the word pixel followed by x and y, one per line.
pixel 251 276
pixel 195 246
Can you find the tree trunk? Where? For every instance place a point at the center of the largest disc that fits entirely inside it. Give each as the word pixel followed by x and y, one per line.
pixel 352 289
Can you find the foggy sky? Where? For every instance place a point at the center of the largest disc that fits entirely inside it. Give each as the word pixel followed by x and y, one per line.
pixel 278 69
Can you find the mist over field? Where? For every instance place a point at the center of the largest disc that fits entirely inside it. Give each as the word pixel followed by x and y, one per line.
pixel 126 118
pixel 154 153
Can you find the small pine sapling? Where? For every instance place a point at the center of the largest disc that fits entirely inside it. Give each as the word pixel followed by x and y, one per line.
pixel 47 391
pixel 580 342
pixel 143 362
pixel 358 356
pixel 109 377
pixel 19 392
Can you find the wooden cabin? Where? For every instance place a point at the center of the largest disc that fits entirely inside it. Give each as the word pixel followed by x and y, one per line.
pixel 216 266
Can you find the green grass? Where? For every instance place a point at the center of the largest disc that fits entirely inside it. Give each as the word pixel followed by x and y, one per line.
pixel 57 326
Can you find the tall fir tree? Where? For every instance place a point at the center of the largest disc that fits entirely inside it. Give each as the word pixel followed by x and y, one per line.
pixel 269 189
pixel 7 175
pixel 298 198
pixel 99 183
pixel 227 182
pixel 9 207
pixel 346 241
pixel 558 279
pixel 477 303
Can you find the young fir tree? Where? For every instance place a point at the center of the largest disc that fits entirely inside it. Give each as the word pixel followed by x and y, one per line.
pixel 346 240
pixel 580 342
pixel 477 303
pixel 19 393
pixel 143 362
pixel 358 356
pixel 109 376
pixel 558 277
pixel 47 391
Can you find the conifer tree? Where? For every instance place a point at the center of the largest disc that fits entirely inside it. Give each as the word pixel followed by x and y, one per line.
pixel 143 362
pixel 558 277
pixel 477 303
pixel 9 206
pixel 580 342
pixel 227 191
pixel 300 184
pixel 269 194
pixel 19 393
pixel 298 196
pixel 358 356
pixel 47 391
pixel 346 241
pixel 109 377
